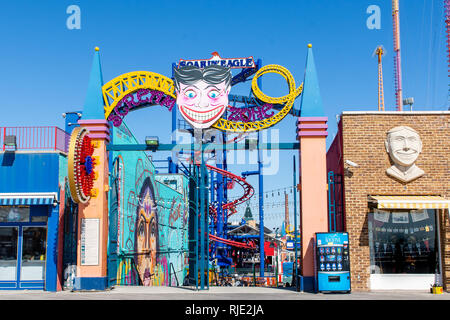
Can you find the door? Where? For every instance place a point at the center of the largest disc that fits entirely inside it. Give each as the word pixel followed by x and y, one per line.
pixel 8 256
pixel 70 240
pixel 22 256
pixel 32 273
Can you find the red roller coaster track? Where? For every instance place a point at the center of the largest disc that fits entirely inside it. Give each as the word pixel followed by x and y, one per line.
pixel 233 243
pixel 248 189
pixel 231 206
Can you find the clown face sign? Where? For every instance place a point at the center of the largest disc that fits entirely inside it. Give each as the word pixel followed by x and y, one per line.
pixel 202 93
pixel 201 90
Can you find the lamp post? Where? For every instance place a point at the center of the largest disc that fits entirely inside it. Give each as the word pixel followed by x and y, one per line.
pixel 152 141
pixel 295 229
pixel 277 257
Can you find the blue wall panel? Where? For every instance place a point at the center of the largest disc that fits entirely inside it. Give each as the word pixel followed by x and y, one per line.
pixel 37 172
pixel 29 172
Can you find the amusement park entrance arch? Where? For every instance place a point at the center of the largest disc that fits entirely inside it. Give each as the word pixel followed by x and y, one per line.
pixel 134 90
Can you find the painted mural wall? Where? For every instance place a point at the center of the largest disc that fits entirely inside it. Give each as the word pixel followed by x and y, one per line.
pixel 151 218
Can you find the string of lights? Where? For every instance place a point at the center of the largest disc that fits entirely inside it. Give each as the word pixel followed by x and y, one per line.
pixel 275 192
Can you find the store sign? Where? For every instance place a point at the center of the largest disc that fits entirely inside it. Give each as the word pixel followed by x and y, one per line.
pixel 382 216
pixel 232 63
pixel 250 114
pixel 90 234
pixel 400 217
pixel 202 99
pixel 139 98
pixel 200 89
pixel 134 89
pixel 81 166
pixel 419 215
pixel 202 94
pixel 290 245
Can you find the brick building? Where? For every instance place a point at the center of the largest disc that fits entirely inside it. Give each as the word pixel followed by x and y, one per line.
pixel 395 211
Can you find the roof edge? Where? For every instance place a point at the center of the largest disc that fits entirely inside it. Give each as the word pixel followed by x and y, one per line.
pixel 393 112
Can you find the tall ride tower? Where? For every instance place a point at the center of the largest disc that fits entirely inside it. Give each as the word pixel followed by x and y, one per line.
pixel 397 56
pixel 380 52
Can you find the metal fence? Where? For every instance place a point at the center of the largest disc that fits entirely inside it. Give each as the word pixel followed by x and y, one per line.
pixel 35 138
pixel 246 277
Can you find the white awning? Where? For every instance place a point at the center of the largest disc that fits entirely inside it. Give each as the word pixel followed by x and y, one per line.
pixel 27 199
pixel 410 202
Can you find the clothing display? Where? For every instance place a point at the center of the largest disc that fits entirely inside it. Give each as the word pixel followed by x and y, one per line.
pixel 403 241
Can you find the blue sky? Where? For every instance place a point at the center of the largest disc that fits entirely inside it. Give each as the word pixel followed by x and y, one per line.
pixel 45 66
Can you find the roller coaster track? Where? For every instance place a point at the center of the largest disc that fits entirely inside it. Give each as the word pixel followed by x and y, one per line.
pixel 231 206
pixel 232 243
pixel 287 101
pixel 249 191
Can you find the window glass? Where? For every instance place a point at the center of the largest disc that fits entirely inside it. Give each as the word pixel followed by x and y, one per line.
pixel 8 253
pixel 33 253
pixel 14 214
pixel 403 241
pixel 39 213
pixel 39 218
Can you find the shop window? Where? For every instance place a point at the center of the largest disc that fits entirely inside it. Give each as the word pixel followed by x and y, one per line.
pixel 8 253
pixel 39 218
pixel 39 213
pixel 14 214
pixel 33 253
pixel 403 241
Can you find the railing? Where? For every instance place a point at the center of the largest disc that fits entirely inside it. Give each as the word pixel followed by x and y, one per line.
pixel 246 277
pixel 171 267
pixel 127 272
pixel 35 138
pixel 245 280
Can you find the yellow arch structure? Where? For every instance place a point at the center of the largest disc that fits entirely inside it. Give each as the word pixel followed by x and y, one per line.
pixel 119 87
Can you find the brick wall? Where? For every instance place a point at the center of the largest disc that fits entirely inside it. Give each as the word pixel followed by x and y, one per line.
pixel 363 143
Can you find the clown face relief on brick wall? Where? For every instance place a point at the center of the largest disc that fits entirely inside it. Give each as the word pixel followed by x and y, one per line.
pixel 403 144
pixel 202 93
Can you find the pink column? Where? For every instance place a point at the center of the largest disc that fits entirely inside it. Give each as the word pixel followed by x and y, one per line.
pixel 312 133
pixel 95 276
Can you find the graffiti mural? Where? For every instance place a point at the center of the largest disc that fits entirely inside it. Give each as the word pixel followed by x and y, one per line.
pixel 151 219
pixel 146 235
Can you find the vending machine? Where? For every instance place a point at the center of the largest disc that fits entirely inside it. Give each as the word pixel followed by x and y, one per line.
pixel 332 262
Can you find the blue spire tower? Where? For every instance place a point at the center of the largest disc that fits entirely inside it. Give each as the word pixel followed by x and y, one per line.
pixel 311 100
pixel 93 110
pixel 93 105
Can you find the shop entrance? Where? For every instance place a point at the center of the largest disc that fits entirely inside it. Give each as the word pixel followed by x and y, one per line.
pixel 404 248
pixel 22 255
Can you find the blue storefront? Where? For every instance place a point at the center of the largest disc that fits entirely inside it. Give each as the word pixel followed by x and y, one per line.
pixel 29 219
